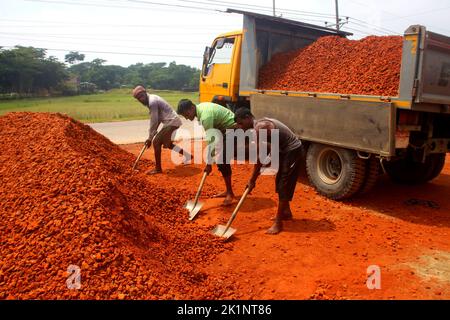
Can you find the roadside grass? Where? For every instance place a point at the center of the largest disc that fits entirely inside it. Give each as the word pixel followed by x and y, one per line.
pixel 113 105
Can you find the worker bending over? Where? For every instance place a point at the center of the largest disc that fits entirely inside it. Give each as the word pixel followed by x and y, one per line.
pixel 290 150
pixel 213 116
pixel 160 112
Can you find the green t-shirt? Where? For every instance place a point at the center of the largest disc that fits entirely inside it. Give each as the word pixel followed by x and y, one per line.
pixel 214 116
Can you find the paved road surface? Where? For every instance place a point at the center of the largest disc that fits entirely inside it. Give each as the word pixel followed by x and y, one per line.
pixel 126 132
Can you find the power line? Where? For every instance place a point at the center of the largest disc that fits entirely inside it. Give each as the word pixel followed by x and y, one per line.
pixel 86 24
pixel 152 3
pixel 82 25
pixel 91 44
pixel 358 31
pixel 368 26
pixel 278 9
pixel 92 38
pixel 296 13
pixel 149 34
pixel 115 52
pixel 419 14
pixel 307 20
pixel 122 7
pixel 397 16
pixel 290 11
pixel 293 12
pixel 365 23
pixel 173 5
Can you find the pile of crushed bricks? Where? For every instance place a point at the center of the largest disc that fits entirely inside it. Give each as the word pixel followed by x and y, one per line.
pixel 333 64
pixel 69 197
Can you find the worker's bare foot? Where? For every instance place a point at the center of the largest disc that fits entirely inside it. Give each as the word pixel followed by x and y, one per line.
pixel 275 228
pixel 228 200
pixel 154 171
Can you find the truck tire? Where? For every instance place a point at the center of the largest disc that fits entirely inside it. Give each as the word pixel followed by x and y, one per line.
pixel 336 173
pixel 407 171
pixel 372 174
pixel 438 163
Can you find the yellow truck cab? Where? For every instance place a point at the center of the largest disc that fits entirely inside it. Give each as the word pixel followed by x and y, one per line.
pixel 219 80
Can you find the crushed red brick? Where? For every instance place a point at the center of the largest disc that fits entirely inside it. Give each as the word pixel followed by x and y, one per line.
pixel 332 64
pixel 69 197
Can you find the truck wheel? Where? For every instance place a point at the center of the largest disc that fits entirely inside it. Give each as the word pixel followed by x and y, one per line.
pixel 407 171
pixel 438 163
pixel 335 172
pixel 372 174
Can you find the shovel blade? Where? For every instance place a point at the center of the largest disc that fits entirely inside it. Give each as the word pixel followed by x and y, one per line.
pixel 193 208
pixel 220 231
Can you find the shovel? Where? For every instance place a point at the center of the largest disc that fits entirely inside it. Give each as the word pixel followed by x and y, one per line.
pixel 139 157
pixel 226 231
pixel 195 206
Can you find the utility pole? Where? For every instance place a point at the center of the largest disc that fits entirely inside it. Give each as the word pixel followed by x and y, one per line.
pixel 274 8
pixel 337 14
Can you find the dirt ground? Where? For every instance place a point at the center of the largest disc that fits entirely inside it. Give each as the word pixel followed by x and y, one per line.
pixel 325 251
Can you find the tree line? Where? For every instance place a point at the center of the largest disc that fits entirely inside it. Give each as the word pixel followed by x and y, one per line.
pixel 28 71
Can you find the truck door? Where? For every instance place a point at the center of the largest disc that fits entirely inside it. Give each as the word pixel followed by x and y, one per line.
pixel 217 69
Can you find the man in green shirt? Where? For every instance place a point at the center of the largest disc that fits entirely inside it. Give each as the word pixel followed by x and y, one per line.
pixel 213 116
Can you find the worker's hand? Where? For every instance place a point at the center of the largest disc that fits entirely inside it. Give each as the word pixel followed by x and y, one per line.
pixel 208 169
pixel 148 143
pixel 251 185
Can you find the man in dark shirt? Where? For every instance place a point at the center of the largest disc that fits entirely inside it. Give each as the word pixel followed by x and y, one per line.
pixel 290 149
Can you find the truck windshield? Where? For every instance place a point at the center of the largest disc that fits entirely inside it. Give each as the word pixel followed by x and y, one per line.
pixel 221 53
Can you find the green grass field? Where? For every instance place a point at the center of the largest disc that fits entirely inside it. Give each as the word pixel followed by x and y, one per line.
pixel 114 105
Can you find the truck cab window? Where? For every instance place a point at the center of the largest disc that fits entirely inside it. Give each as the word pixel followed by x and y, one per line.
pixel 221 53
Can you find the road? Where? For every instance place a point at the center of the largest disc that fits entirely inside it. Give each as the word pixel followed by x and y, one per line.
pixel 134 131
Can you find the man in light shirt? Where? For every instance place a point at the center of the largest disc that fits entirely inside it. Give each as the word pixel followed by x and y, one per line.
pixel 160 112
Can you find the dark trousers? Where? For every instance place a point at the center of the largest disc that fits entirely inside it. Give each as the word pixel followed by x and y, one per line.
pixel 225 167
pixel 288 172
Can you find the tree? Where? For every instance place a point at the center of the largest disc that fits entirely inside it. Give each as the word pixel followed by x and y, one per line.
pixel 74 56
pixel 27 70
pixel 52 74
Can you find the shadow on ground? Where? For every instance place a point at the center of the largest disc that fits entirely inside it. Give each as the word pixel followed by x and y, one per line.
pixel 427 204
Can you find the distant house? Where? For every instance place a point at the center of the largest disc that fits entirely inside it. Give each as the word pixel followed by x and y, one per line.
pixel 87 87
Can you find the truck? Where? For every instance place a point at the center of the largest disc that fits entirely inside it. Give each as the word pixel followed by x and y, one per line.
pixel 349 139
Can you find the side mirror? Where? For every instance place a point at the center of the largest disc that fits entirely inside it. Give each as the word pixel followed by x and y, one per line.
pixel 206 55
pixel 220 43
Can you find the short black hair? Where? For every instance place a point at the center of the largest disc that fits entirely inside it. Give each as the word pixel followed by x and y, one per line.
pixel 184 105
pixel 242 113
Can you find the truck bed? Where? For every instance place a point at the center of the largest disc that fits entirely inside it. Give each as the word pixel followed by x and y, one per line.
pixel 358 125
pixel 425 69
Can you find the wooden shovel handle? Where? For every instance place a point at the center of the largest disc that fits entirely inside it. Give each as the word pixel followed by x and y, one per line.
pixel 199 191
pixel 139 157
pixel 236 210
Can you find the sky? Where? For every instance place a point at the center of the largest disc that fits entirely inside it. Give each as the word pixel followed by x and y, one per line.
pixel 125 32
